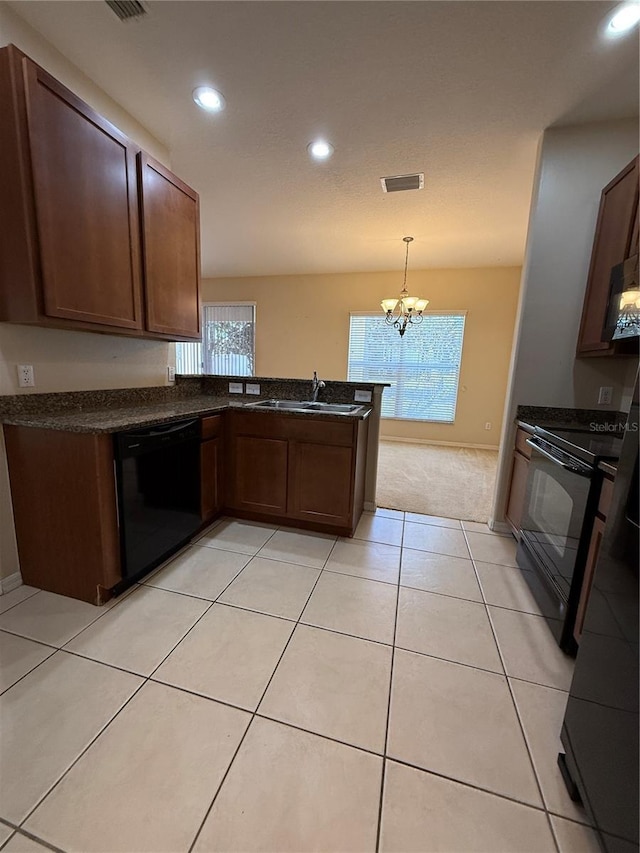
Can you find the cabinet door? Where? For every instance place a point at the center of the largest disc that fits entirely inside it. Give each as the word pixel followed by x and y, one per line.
pixel 211 478
pixel 171 251
pixel 64 504
pixel 611 245
pixel 321 483
pixel 84 183
pixel 517 489
pixel 260 475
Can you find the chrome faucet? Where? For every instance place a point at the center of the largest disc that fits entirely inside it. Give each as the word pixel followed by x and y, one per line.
pixel 316 385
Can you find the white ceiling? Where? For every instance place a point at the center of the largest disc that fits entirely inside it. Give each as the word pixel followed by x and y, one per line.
pixel 459 90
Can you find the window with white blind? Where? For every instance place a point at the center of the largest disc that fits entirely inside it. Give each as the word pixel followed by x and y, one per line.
pixel 423 367
pixel 228 342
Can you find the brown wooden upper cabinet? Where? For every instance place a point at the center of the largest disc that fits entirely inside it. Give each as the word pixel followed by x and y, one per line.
pixel 616 238
pixel 171 250
pixel 70 244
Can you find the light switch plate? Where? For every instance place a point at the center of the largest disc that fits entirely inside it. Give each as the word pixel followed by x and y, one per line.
pixel 252 388
pixel 362 396
pixel 236 388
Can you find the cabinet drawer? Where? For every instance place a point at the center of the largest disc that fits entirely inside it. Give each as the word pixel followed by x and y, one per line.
pixel 521 442
pixel 606 496
pixel 259 424
pixel 211 426
pixel 312 428
pixel 321 432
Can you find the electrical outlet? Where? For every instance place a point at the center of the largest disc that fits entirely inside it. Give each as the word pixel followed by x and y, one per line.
pixel 487 425
pixel 361 396
pixel 236 388
pixel 26 378
pixel 252 388
pixel 171 374
pixel 606 394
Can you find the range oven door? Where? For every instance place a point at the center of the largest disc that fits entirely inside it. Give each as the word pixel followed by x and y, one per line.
pixel 558 503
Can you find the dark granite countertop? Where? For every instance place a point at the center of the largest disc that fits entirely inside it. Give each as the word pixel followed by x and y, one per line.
pixel 115 410
pixel 549 417
pixel 111 419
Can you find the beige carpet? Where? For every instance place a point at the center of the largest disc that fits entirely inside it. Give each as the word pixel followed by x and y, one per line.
pixel 454 482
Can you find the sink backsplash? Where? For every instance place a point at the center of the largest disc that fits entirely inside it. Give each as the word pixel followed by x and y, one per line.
pixel 279 389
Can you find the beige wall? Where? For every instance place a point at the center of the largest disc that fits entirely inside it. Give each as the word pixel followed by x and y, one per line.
pixel 302 325
pixel 14 30
pixel 76 360
pixel 574 164
pixel 66 361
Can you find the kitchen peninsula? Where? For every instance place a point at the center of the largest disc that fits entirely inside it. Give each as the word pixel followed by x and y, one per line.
pixel 307 465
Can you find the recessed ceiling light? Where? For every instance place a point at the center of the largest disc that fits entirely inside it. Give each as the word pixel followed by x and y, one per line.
pixel 208 99
pixel 320 150
pixel 624 19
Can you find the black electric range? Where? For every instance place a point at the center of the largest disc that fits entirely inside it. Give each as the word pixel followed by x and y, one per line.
pixel 590 446
pixel 561 499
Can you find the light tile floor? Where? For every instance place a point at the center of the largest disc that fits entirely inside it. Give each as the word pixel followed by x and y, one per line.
pixel 275 690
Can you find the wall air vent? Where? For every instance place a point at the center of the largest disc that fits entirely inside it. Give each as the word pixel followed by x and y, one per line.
pixel 400 183
pixel 126 9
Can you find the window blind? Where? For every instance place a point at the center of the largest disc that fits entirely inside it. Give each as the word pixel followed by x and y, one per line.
pixel 423 367
pixel 228 342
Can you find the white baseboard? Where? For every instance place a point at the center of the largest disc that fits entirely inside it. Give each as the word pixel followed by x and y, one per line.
pixel 499 526
pixel 10 582
pixel 442 443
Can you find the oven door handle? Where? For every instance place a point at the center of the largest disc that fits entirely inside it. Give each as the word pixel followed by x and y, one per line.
pixel 578 468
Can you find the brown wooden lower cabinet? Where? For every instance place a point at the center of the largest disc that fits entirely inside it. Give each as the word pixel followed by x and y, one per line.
pixel 64 506
pixel 211 478
pixel 303 471
pixel 518 482
pixel 259 475
pixel 211 466
pixel 321 483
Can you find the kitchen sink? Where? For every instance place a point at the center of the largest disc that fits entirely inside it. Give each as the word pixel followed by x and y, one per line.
pixel 280 404
pixel 306 406
pixel 335 408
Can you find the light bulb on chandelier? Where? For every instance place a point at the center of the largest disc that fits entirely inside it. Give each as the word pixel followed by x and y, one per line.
pixel 407 310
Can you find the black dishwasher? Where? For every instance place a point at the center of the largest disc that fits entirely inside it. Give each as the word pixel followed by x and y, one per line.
pixel 158 480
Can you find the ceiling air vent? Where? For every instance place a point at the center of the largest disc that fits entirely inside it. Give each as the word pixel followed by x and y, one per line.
pixel 400 183
pixel 126 9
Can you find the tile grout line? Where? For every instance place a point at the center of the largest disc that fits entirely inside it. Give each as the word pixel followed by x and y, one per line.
pixel 18 680
pixel 17 602
pixel 145 680
pixel 386 731
pixel 79 756
pixel 25 833
pixel 254 714
pixel 514 703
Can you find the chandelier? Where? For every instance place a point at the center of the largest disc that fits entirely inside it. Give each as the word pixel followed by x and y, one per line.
pixel 407 310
